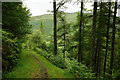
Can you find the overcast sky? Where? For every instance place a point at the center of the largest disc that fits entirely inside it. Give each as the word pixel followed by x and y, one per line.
pixel 39 7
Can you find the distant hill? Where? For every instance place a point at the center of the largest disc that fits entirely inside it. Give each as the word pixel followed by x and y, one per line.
pixel 47 20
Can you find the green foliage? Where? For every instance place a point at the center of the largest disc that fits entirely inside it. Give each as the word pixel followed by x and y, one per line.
pixel 35 40
pixel 15 19
pixel 78 69
pixel 58 60
pixel 10 50
pixel 15 23
pixel 72 66
pixel 53 71
pixel 47 20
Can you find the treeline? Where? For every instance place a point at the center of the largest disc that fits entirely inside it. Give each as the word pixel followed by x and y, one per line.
pixel 15 26
pixel 93 40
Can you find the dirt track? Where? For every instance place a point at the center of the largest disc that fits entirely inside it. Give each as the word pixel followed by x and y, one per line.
pixel 42 67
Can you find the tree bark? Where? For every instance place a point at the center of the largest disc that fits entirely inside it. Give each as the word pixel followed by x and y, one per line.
pixel 64 43
pixel 93 49
pixel 80 31
pixel 113 41
pixel 99 42
pixel 55 28
pixel 107 38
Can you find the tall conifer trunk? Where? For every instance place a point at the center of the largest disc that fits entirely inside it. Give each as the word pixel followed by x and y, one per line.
pixel 80 31
pixel 55 28
pixel 64 43
pixel 93 49
pixel 113 41
pixel 107 37
pixel 99 38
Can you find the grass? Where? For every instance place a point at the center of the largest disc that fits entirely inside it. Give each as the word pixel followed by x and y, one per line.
pixel 28 67
pixel 53 71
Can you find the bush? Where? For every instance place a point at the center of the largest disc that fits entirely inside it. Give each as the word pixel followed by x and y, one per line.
pixel 78 69
pixel 57 60
pixel 10 51
pixel 72 66
pixel 42 52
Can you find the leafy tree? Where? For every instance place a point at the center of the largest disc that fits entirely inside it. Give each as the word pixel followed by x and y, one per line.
pixel 15 19
pixel 15 25
pixel 10 51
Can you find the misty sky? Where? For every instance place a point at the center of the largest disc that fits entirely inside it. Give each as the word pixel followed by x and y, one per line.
pixel 39 7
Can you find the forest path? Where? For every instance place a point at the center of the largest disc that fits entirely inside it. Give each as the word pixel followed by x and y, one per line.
pixel 33 65
pixel 44 71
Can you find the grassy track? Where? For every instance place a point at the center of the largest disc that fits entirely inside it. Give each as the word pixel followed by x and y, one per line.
pixel 53 71
pixel 28 67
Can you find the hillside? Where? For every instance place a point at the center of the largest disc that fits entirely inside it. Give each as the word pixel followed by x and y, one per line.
pixel 47 21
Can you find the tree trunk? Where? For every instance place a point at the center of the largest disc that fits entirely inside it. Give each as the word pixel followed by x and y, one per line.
pixel 55 28
pixel 113 40
pixel 80 31
pixel 99 42
pixel 93 49
pixel 107 38
pixel 64 43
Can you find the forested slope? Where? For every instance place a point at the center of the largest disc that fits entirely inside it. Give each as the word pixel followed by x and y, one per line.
pixel 47 21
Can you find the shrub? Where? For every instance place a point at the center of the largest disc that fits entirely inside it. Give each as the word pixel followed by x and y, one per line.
pixel 10 51
pixel 58 60
pixel 70 65
pixel 78 69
